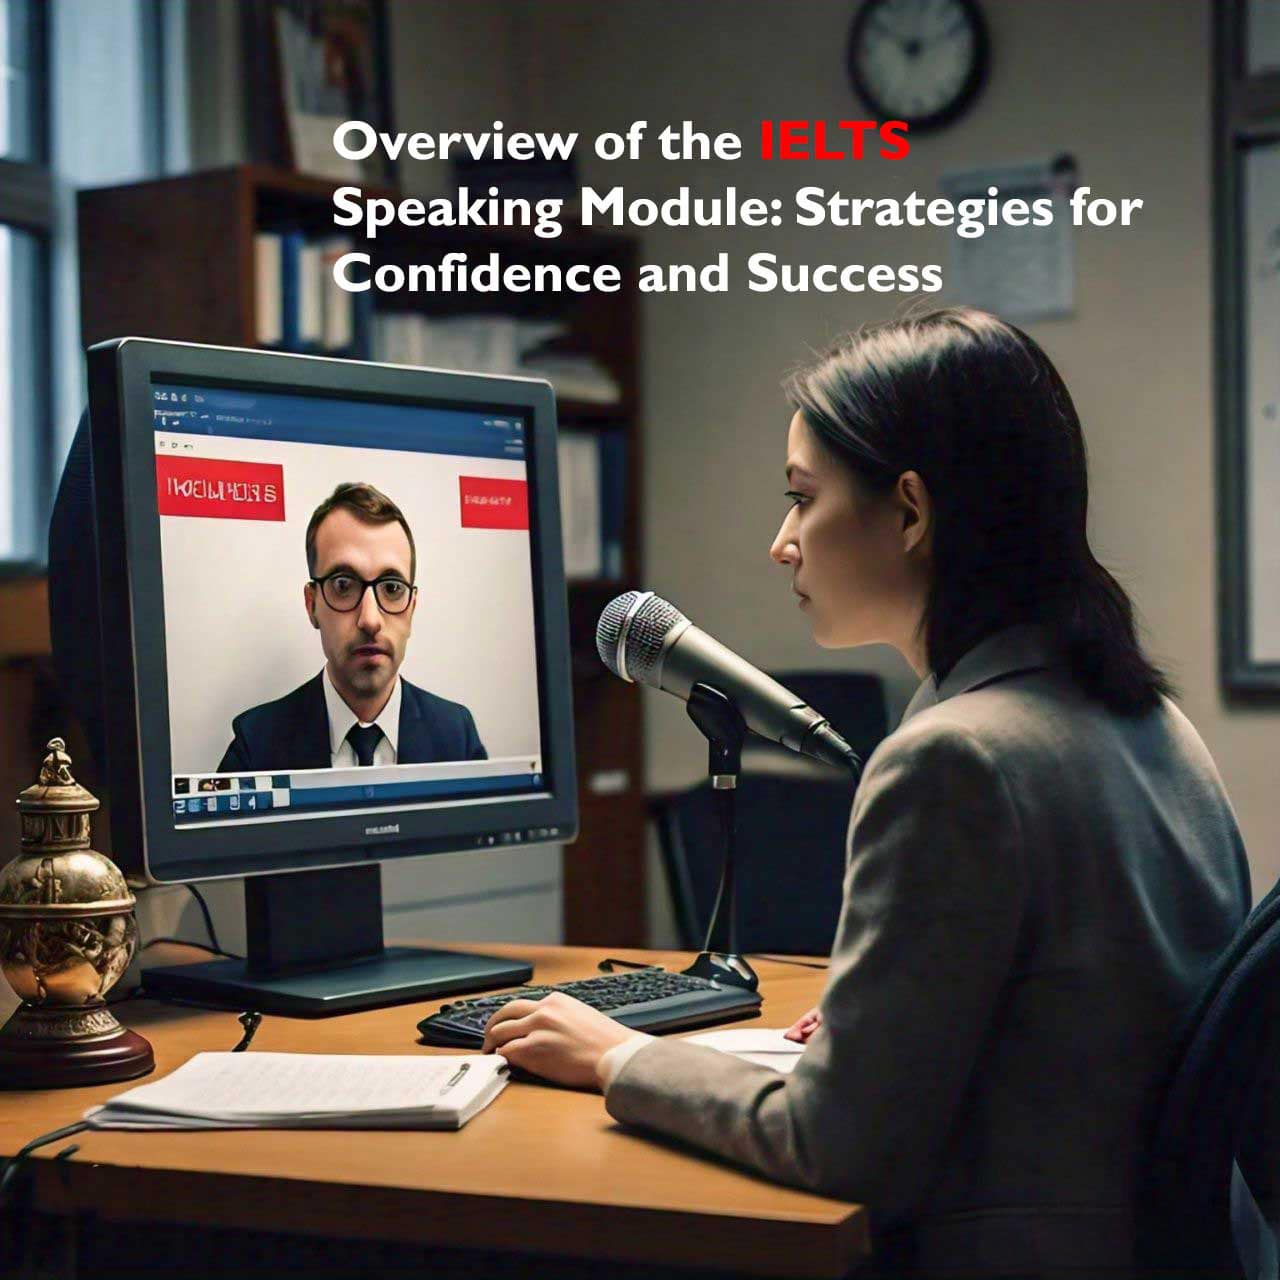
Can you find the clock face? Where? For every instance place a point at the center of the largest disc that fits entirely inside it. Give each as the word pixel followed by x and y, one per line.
pixel 922 61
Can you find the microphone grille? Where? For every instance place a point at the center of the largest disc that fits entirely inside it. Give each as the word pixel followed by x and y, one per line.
pixel 609 628
pixel 631 631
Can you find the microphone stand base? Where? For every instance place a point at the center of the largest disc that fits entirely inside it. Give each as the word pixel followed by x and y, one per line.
pixel 729 970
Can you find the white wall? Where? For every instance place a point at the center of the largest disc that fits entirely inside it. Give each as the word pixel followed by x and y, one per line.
pixel 1126 87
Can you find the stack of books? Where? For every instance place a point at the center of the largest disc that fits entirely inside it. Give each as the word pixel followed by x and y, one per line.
pixel 479 343
pixel 493 344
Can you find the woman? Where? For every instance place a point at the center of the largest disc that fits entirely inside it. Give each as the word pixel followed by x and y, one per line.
pixel 1043 863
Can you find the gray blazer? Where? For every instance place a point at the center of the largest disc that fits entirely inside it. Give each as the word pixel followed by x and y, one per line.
pixel 1036 889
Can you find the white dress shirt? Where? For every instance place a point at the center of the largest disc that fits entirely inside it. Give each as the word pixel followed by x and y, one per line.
pixel 613 1060
pixel 341 753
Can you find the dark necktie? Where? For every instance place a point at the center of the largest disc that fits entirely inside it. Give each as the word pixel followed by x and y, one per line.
pixel 365 739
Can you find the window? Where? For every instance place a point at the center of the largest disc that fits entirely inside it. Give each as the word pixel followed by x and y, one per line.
pixel 92 92
pixel 26 217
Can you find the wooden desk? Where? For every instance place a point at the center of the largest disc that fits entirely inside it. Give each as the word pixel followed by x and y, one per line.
pixel 542 1171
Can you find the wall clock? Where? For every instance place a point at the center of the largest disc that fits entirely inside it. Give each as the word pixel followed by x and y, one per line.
pixel 922 61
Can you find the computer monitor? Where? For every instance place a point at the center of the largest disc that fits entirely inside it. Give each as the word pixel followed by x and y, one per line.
pixel 291 547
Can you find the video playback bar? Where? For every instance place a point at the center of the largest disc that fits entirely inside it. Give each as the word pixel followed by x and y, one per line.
pixel 226 798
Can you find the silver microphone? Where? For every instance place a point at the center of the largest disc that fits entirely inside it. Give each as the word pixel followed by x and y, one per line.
pixel 641 637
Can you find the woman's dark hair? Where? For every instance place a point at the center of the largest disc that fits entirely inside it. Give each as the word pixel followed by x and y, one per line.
pixel 976 408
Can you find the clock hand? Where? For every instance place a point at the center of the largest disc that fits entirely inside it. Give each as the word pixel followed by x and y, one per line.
pixel 878 23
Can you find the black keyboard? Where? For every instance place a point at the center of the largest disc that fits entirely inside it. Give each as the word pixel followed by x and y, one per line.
pixel 648 1000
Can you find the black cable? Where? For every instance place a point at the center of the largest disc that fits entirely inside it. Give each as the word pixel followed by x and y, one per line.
pixel 16 1162
pixel 610 963
pixel 199 946
pixel 208 920
pixel 804 964
pixel 250 1021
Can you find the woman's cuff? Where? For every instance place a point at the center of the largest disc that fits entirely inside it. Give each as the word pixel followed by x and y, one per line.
pixel 613 1060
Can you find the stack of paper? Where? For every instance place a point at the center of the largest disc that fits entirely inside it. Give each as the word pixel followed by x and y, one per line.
pixel 575 376
pixel 762 1045
pixel 480 343
pixel 310 1091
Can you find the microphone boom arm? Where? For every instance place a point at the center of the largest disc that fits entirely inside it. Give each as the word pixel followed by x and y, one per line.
pixel 720 722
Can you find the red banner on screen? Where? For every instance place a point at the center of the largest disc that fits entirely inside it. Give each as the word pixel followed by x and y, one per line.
pixel 220 489
pixel 494 504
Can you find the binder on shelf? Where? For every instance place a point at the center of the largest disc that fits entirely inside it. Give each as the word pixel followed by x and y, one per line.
pixel 593 491
pixel 310 296
pixel 338 304
pixel 291 289
pixel 268 303
pixel 580 506
pixel 613 499
pixel 362 318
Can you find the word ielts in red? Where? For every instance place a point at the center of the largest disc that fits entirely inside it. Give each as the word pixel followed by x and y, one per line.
pixel 837 140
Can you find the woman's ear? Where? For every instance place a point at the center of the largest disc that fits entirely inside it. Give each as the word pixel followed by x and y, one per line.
pixel 916 508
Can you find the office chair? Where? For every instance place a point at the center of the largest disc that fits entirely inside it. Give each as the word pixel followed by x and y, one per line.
pixel 792 818
pixel 1214 1136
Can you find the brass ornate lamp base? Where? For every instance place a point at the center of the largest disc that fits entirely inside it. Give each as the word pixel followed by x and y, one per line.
pixel 58 1048
pixel 67 933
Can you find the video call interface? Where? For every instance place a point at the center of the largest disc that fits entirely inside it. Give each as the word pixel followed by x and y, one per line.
pixel 389 661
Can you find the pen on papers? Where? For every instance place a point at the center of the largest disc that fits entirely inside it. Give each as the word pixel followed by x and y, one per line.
pixel 457 1075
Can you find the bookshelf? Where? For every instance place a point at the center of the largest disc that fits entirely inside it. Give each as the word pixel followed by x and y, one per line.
pixel 174 258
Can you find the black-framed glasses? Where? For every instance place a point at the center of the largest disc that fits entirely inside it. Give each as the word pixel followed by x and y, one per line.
pixel 343 590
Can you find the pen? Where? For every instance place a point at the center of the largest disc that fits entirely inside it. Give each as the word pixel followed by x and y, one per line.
pixel 457 1075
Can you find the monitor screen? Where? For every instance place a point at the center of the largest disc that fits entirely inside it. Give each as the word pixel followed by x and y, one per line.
pixel 409 608
pixel 347 632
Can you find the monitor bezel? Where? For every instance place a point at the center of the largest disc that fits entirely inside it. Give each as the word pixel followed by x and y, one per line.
pixel 145 839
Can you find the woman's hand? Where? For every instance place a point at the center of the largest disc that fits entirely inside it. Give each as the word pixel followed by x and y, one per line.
pixel 805 1027
pixel 557 1037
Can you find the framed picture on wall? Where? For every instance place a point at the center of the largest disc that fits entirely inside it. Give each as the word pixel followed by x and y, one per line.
pixel 311 64
pixel 1262 37
pixel 1257 447
pixel 1247 345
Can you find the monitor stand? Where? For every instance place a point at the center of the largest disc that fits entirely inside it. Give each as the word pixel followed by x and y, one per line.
pixel 315 948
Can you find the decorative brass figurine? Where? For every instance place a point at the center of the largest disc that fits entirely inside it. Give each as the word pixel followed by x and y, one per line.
pixel 67 933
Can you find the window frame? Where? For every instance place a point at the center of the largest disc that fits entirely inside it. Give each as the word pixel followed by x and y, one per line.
pixel 27 204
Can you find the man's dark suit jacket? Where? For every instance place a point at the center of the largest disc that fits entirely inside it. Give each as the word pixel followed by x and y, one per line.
pixel 293 732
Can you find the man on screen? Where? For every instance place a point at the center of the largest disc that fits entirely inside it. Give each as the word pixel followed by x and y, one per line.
pixel 358 710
